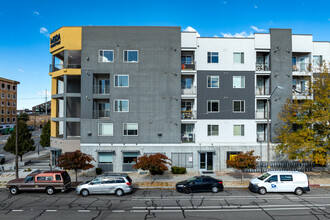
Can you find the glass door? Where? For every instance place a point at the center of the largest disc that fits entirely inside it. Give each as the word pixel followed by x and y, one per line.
pixel 206 161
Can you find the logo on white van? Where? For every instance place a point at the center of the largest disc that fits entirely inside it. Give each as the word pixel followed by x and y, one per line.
pixel 273 185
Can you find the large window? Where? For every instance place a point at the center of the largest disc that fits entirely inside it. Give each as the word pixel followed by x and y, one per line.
pixel 121 81
pixel 213 106
pixel 186 83
pixel 239 106
pixel 238 81
pixel 105 157
pixel 105 129
pixel 238 57
pixel 121 105
pixel 131 129
pixel 212 130
pixel 212 57
pixel 182 160
pixel 238 130
pixel 106 56
pixel 131 56
pixel 212 81
pixel 317 60
pixel 231 155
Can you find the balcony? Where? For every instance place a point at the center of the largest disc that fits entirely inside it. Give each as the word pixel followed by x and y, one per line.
pixel 101 89
pixel 101 113
pixel 56 67
pixel 262 90
pixel 187 65
pixel 262 67
pixel 188 138
pixel 191 91
pixel 261 114
pixel 301 67
pixel 188 114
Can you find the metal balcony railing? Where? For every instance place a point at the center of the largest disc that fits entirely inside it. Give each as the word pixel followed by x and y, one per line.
pixel 188 114
pixel 187 65
pixel 188 138
pixel 56 67
pixel 261 137
pixel 262 90
pixel 191 91
pixel 101 90
pixel 106 167
pixel 301 67
pixel 128 167
pixel 261 114
pixel 101 113
pixel 262 66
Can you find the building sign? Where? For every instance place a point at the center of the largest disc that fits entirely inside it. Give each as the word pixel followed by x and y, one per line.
pixel 55 40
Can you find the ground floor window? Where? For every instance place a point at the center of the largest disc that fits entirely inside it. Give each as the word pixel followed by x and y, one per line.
pixel 182 160
pixel 231 155
pixel 105 157
pixel 129 159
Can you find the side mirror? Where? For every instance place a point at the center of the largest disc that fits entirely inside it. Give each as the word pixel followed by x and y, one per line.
pixel 91 183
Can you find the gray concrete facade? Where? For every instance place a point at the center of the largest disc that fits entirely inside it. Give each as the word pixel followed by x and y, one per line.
pixel 154 83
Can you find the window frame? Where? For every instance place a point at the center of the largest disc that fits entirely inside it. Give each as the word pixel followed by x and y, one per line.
pixel 115 81
pixel 241 126
pixel 241 58
pixel 241 101
pixel 241 87
pixel 127 56
pixel 98 130
pixel 211 77
pixel 99 56
pixel 114 103
pixel 211 134
pixel 211 56
pixel 137 130
pixel 207 106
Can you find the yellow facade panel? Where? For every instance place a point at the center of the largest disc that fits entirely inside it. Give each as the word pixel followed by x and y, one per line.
pixel 53 125
pixel 73 72
pixel 65 38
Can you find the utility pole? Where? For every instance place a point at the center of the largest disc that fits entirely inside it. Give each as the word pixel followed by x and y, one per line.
pixel 16 161
pixel 46 101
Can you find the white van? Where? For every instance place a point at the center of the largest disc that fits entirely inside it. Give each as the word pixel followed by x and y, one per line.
pixel 280 181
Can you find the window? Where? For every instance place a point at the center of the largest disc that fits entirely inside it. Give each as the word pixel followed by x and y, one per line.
pixel 212 81
pixel 286 178
pixel 239 106
pixel 8 96
pixel 121 80
pixel 106 56
pixel 212 57
pixel 186 83
pixel 14 96
pixel 238 81
pixel 317 60
pixel 8 87
pixel 103 86
pixel 231 155
pixel 14 104
pixel 8 120
pixel 105 157
pixel 131 56
pixel 105 129
pixel 121 105
pixel 186 59
pixel 294 84
pixel 58 177
pixel 131 129
pixel 239 57
pixel 3 103
pixel 272 179
pixel 213 106
pixel 2 120
pixel 8 112
pixel 3 86
pixel 2 111
pixel 238 130
pixel 29 179
pixel 8 104
pixel 212 130
pixel 130 157
pixel 303 85
pixel 13 119
pixel 3 95
pixel 294 61
pixel 14 88
pixel 182 160
pixel 14 112
pixel 44 178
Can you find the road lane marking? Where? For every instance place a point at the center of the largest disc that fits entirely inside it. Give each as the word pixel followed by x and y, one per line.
pixel 84 210
pixel 118 210
pixel 17 210
pixel 51 210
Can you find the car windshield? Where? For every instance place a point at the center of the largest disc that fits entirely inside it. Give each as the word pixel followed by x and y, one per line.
pixel 191 179
pixel 264 176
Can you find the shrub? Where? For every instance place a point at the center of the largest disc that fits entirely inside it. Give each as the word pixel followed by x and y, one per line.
pixel 98 171
pixel 178 170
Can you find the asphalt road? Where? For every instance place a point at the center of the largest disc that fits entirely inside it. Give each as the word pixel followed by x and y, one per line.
pixel 9 157
pixel 167 204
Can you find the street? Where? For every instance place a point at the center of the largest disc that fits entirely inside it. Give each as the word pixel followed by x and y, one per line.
pixel 167 204
pixel 9 157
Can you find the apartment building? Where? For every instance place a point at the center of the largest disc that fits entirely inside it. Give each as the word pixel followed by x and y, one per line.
pixel 122 92
pixel 8 99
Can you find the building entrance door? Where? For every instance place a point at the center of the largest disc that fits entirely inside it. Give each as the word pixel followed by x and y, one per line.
pixel 206 161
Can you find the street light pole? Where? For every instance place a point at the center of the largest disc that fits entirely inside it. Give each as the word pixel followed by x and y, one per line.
pixel 16 148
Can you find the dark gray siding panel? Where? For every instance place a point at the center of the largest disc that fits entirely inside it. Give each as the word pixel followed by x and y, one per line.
pixel 226 94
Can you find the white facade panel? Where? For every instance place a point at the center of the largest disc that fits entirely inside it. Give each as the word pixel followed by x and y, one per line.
pixel 226 48
pixel 226 131
pixel 262 41
pixel 302 43
pixel 188 39
pixel 323 49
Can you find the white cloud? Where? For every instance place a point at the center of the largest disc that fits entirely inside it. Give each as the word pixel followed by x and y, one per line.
pixel 255 6
pixel 36 13
pixel 21 70
pixel 44 31
pixel 191 29
pixel 215 35
pixel 257 29
pixel 43 93
pixel 242 34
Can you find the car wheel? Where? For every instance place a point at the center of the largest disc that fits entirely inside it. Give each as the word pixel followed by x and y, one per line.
pixel 119 192
pixel 262 191
pixel 215 189
pixel 50 190
pixel 187 190
pixel 13 190
pixel 2 161
pixel 299 191
pixel 84 192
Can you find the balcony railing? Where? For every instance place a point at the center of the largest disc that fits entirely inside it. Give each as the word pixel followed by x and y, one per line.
pixel 261 114
pixel 261 137
pixel 191 91
pixel 188 114
pixel 262 90
pixel 128 167
pixel 56 67
pixel 301 67
pixel 101 90
pixel 262 67
pixel 101 113
pixel 187 65
pixel 188 138
pixel 106 167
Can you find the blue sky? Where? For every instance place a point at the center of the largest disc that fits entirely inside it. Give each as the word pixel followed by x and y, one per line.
pixel 26 24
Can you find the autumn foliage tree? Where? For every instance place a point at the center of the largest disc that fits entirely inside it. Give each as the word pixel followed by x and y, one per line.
pixel 304 133
pixel 155 163
pixel 75 161
pixel 243 161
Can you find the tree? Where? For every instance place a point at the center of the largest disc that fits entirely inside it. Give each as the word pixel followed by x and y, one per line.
pixel 155 163
pixel 45 135
pixel 25 143
pixel 23 117
pixel 75 161
pixel 304 131
pixel 243 161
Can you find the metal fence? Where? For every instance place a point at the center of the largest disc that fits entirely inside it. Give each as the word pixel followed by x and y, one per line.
pixel 106 167
pixel 282 166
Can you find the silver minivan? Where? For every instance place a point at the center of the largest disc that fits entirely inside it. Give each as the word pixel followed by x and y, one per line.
pixel 118 184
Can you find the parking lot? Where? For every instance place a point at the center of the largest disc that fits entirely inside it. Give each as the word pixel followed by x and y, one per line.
pixel 167 204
